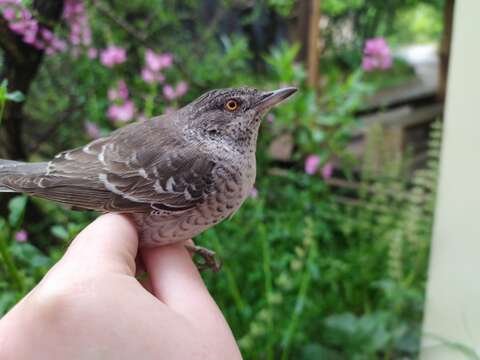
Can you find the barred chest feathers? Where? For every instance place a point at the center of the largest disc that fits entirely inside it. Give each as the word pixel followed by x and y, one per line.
pixel 231 185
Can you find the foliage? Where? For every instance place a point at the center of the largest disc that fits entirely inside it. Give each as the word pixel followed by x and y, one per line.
pixel 319 127
pixel 310 271
pixel 421 24
pixel 352 22
pixel 5 96
pixel 304 276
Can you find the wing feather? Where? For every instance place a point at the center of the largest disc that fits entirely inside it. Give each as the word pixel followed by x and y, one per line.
pixel 139 167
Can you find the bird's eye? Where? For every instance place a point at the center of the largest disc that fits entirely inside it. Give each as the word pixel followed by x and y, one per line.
pixel 231 105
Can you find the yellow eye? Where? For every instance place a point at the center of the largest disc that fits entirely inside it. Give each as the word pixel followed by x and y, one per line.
pixel 231 105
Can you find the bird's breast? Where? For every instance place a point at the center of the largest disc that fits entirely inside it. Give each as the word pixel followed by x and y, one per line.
pixel 232 183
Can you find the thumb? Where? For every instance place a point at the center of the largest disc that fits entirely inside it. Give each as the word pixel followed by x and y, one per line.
pixel 108 245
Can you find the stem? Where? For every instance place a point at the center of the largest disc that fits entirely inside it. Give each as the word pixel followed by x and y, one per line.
pixel 149 102
pixel 299 304
pixel 2 109
pixel 232 284
pixel 268 286
pixel 10 264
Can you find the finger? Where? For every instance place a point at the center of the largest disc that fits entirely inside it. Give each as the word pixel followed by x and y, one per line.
pixel 109 244
pixel 176 281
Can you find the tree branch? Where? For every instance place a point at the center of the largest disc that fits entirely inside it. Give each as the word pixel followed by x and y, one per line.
pixel 22 62
pixel 9 43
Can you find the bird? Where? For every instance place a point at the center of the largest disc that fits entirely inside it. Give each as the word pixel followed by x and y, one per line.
pixel 175 175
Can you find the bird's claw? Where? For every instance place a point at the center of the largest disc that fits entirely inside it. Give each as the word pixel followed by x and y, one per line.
pixel 210 260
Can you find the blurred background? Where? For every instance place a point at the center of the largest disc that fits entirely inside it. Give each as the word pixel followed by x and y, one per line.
pixel 328 257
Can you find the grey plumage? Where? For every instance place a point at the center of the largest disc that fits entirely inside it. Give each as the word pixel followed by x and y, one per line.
pixel 177 174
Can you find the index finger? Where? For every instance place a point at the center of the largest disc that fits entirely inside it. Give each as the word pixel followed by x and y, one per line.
pixel 176 281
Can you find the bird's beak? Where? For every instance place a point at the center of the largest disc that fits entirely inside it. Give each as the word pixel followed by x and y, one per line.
pixel 272 98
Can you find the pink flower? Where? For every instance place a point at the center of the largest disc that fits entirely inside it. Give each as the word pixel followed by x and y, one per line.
pixel 113 55
pixel 9 14
pixel 25 25
pixel 311 164
pixel 148 76
pixel 22 22
pixel 368 64
pixel 122 90
pixel 182 88
pixel 47 35
pixel 169 92
pixel 169 110
pixel 327 170
pixel 92 130
pixel 153 60
pixel 122 113
pixel 74 39
pixel 122 109
pixel 157 62
pixel 87 36
pixel 10 2
pixel 154 64
pixel 270 118
pixel 77 18
pixel 21 236
pixel 56 46
pixel 92 53
pixel 118 93
pixel 151 77
pixel 167 60
pixel 376 55
pixel 72 8
pixel 254 193
pixel 142 117
pixel 29 36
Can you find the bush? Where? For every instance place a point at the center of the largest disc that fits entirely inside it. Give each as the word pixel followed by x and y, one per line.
pixel 310 271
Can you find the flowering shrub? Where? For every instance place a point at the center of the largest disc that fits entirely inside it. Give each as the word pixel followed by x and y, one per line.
pixel 22 22
pixel 76 16
pixel 21 235
pixel 376 55
pixel 154 64
pixel 122 108
pixel 292 254
pixel 311 164
pixel 92 130
pixel 113 55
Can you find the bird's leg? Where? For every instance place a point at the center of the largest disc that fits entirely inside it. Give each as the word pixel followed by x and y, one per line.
pixel 210 261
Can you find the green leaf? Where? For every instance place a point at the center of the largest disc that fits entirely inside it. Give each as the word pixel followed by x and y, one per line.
pixel 3 224
pixel 317 351
pixel 17 210
pixel 16 96
pixel 60 232
pixel 7 300
pixel 3 92
pixel 29 254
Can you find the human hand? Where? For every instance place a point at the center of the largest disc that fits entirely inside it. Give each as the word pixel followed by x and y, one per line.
pixel 91 306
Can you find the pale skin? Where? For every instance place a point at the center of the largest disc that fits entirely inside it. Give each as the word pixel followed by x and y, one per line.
pixel 91 306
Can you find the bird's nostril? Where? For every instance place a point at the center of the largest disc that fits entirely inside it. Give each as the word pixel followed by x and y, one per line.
pixel 266 95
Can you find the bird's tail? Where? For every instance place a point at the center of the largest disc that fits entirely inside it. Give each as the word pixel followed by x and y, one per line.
pixel 11 171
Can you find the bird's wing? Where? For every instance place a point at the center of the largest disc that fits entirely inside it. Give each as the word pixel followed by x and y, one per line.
pixel 128 172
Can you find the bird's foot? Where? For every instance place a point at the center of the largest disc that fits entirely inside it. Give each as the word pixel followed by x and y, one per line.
pixel 210 260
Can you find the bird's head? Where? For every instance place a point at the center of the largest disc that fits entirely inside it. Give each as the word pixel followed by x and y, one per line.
pixel 232 115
